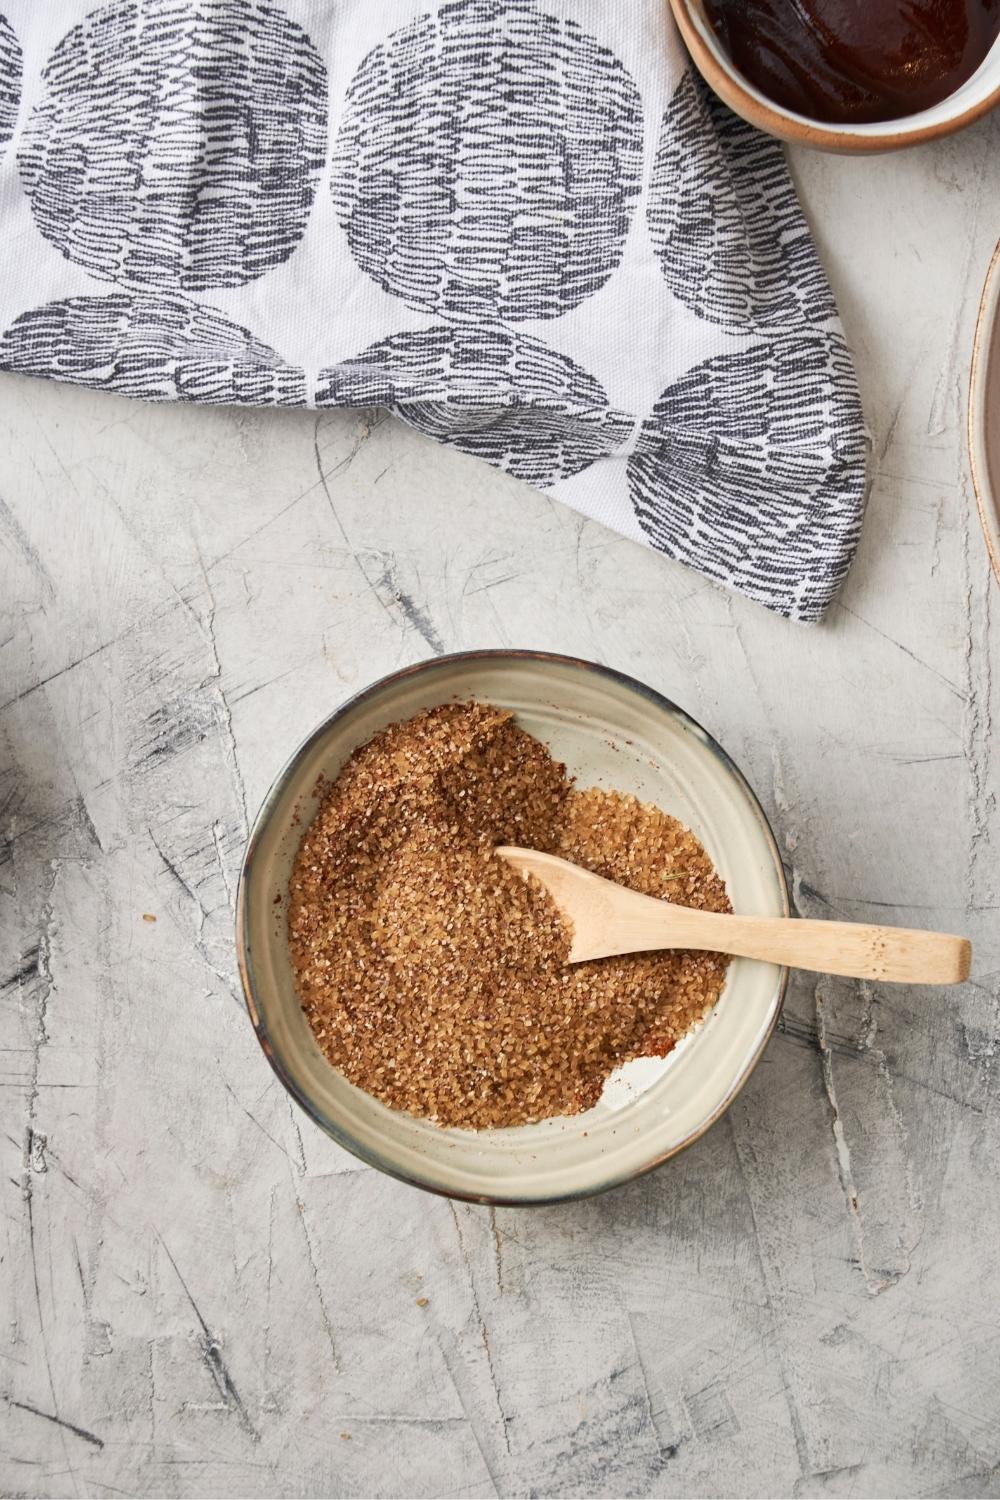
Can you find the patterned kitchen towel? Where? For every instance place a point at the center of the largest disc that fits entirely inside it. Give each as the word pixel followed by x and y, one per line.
pixel 521 225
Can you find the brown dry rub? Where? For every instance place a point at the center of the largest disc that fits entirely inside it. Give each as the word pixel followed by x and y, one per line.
pixel 433 975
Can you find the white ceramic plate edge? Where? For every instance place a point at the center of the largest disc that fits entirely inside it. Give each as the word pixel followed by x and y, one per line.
pixel 983 377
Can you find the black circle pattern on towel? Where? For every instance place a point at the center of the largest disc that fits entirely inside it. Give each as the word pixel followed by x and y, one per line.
pixel 177 145
pixel 488 162
pixel 752 468
pixel 151 346
pixel 509 400
pixel 732 241
pixel 10 80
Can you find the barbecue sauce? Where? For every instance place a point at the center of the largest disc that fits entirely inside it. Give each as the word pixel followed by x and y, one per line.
pixel 856 61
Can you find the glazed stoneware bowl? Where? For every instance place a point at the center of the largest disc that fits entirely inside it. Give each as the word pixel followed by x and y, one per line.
pixel 611 732
pixel 974 98
pixel 984 411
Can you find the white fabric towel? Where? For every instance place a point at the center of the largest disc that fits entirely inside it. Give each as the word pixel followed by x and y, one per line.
pixel 522 225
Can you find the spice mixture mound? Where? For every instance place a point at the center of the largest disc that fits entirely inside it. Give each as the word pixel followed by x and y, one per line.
pixel 433 974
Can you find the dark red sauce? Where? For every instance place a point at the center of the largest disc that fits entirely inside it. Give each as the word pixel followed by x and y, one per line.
pixel 852 61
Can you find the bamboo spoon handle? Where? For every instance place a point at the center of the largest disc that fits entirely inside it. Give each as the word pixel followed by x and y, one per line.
pixel 856 949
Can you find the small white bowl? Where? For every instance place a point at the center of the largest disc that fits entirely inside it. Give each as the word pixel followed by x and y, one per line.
pixel 611 732
pixel 974 98
pixel 984 412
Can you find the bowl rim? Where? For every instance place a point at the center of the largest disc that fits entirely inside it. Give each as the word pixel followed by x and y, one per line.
pixel 277 789
pixel 799 130
pixel 984 488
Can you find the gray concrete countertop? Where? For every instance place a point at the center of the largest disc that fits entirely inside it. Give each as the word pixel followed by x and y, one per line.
pixel 201 1295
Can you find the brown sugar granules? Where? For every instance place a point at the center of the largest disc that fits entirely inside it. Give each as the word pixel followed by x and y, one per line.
pixel 433 974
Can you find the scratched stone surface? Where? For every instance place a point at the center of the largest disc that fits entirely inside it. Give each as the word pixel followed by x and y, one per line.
pixel 200 1294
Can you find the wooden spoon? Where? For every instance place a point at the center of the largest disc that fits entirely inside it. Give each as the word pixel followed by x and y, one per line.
pixel 608 919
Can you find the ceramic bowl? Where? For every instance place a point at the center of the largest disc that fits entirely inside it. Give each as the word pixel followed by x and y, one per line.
pixel 611 732
pixel 977 95
pixel 984 411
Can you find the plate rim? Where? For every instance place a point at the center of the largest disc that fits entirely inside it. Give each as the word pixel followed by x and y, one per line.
pixel 987 498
